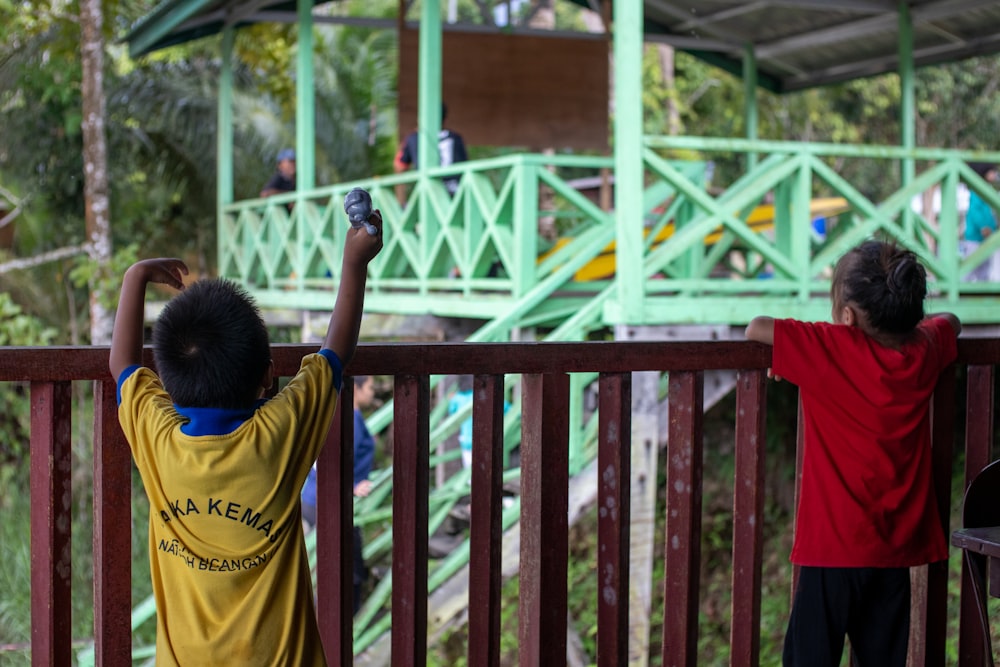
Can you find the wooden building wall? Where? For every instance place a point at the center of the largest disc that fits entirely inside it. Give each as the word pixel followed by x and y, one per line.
pixel 515 90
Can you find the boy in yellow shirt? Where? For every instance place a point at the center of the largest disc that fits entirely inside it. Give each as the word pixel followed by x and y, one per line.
pixel 223 468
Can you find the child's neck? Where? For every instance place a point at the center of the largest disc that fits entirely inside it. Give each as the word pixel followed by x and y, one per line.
pixel 889 340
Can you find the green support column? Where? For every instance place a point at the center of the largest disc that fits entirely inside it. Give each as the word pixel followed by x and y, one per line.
pixel 802 228
pixel 428 117
pixel 948 243
pixel 630 283
pixel 305 103
pixel 224 125
pixel 750 100
pixel 908 105
pixel 525 234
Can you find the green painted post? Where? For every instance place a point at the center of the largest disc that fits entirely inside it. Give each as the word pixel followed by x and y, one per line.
pixel 802 227
pixel 750 100
pixel 305 103
pixel 224 140
pixel 948 243
pixel 428 120
pixel 525 227
pixel 628 159
pixel 224 124
pixel 783 218
pixel 908 106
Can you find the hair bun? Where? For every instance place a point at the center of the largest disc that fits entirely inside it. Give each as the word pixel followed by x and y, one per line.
pixel 899 276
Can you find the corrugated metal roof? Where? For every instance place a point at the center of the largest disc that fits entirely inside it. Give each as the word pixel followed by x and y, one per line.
pixel 798 43
pixel 804 43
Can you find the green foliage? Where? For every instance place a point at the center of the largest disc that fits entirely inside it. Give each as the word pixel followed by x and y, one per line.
pixel 657 97
pixel 41 143
pixel 15 565
pixel 269 51
pixel 355 102
pixel 19 328
pixel 104 278
pixel 957 103
pixel 15 408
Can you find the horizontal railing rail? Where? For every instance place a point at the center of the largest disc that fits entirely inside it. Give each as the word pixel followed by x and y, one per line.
pixel 545 388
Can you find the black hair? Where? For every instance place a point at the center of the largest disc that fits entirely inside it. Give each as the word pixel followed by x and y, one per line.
pixel 211 346
pixel 982 168
pixel 359 380
pixel 886 282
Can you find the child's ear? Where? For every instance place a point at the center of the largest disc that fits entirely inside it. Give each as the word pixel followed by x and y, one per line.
pixel 849 316
pixel 268 379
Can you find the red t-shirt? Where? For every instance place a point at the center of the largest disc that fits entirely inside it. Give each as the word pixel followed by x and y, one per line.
pixel 866 498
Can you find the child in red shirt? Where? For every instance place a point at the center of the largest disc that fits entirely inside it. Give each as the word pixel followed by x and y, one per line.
pixel 867 510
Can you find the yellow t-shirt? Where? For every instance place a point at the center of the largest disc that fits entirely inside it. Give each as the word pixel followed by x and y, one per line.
pixel 227 554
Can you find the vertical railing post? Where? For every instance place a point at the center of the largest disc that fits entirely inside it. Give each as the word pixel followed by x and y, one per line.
pixel 682 547
pixel 930 590
pixel 614 489
pixel 748 516
pixel 51 519
pixel 112 536
pixel 334 533
pixel 544 520
pixel 978 453
pixel 800 448
pixel 485 535
pixel 410 486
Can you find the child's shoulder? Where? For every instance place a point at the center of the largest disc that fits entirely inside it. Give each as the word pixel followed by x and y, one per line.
pixel 940 331
pixel 791 325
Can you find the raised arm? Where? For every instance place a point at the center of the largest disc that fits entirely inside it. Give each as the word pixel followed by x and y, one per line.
pixel 126 340
pixel 345 320
pixel 953 320
pixel 761 329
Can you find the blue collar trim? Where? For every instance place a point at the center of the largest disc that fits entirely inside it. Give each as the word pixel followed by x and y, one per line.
pixel 214 421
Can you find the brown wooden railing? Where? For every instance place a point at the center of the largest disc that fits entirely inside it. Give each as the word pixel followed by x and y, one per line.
pixel 543 571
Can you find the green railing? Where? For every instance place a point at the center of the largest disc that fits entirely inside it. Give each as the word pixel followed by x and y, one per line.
pixel 478 254
pixel 712 255
pixel 788 260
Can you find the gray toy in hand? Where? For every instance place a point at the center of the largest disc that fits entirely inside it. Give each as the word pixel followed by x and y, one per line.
pixel 358 207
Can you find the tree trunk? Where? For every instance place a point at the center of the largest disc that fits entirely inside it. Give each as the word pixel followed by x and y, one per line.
pixel 666 53
pixel 95 166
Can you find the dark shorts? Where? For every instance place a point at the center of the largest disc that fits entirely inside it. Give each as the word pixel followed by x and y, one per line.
pixel 869 605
